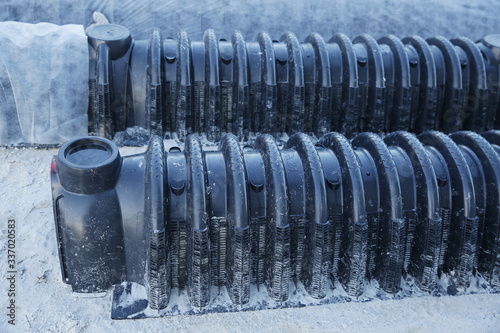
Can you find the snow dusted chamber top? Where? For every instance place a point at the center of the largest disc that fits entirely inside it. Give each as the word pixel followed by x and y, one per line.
pixel 129 90
pixel 174 86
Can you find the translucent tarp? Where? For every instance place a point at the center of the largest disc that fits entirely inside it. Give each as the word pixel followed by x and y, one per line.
pixel 43 83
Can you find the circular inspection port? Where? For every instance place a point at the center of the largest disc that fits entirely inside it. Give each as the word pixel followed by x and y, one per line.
pixel 89 152
pixel 117 38
pixel 108 32
pixel 493 42
pixel 88 165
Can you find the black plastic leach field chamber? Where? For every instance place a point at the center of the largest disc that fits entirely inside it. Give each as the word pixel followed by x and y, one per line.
pixel 281 173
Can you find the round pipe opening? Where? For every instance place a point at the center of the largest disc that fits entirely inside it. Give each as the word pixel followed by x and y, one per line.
pixel 89 153
pixel 88 165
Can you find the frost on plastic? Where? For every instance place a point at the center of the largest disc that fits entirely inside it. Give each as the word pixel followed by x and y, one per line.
pixel 43 83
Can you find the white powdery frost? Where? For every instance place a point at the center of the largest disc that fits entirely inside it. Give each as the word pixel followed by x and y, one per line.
pixel 43 83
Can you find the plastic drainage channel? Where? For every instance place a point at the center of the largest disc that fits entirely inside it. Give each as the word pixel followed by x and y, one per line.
pixel 253 227
pixel 175 87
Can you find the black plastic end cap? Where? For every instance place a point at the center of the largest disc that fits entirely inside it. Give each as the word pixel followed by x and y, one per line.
pixel 493 42
pixel 88 165
pixel 115 36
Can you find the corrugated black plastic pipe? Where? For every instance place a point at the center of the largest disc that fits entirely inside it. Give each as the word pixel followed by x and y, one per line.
pixel 210 87
pixel 234 217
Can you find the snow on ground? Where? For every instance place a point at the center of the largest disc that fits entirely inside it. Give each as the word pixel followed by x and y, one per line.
pixel 44 303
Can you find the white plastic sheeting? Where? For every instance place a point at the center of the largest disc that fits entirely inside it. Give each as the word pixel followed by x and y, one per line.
pixel 426 18
pixel 43 83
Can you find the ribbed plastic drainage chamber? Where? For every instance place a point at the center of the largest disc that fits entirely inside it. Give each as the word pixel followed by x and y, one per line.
pixel 238 228
pixel 211 87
